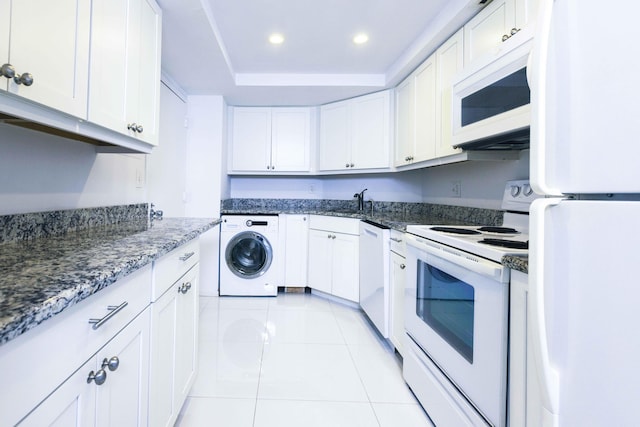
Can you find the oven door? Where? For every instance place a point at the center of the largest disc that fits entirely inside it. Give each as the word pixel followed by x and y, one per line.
pixel 456 311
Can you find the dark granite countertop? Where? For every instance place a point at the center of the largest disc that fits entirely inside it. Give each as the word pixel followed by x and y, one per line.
pixel 392 215
pixel 41 277
pixel 516 262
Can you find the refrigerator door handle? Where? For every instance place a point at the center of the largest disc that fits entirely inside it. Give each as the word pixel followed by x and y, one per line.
pixel 547 376
pixel 537 71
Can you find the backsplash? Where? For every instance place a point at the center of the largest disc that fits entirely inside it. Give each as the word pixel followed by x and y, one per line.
pixel 399 210
pixel 52 223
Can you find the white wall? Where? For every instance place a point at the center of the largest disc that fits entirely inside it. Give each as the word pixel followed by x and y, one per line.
pixel 205 180
pixel 482 184
pixel 166 166
pixel 41 172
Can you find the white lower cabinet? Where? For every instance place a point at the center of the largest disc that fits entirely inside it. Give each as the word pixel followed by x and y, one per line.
pixel 397 283
pixel 174 336
pixel 334 256
pixel 126 356
pixel 110 389
pixel 296 242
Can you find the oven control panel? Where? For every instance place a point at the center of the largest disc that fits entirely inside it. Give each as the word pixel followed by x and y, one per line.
pixel 518 196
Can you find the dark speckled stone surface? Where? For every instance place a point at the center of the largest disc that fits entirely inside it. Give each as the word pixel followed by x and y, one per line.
pixel 514 262
pixel 42 276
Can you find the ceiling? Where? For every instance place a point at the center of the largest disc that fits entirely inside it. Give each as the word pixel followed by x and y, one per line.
pixel 220 47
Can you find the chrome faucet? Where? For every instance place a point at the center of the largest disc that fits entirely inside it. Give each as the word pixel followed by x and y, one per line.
pixel 360 197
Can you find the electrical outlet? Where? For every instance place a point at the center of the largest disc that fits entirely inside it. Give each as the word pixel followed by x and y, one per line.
pixel 456 188
pixel 140 181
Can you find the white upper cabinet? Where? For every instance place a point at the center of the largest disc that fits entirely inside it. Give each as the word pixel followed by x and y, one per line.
pixel 46 45
pixel 355 134
pixel 423 106
pixel 270 140
pixel 449 61
pixel 500 20
pixel 125 67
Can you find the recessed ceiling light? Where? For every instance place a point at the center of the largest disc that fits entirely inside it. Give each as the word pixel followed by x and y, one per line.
pixel 360 38
pixel 276 38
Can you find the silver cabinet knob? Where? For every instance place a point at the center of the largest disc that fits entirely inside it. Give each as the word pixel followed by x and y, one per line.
pixel 402 266
pixel 514 30
pixel 132 126
pixel 7 71
pixel 184 288
pixel 112 364
pixel 352 165
pixel 347 165
pixel 505 37
pixel 139 129
pixel 98 377
pixel 24 79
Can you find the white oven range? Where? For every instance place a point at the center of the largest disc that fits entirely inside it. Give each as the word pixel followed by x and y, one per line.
pixel 456 314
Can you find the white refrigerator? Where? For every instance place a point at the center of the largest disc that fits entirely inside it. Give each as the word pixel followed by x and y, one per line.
pixel 584 265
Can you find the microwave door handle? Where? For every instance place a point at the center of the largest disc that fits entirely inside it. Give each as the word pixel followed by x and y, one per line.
pixel 481 267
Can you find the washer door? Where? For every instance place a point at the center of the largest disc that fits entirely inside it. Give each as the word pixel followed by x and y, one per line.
pixel 249 255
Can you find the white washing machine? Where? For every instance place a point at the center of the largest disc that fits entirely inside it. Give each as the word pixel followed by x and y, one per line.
pixel 250 259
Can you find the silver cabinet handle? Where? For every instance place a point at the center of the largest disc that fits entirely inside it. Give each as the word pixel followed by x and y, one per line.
pixel 184 288
pixel 7 71
pixel 187 256
pixel 112 364
pixel 135 127
pixel 347 165
pixel 24 79
pixel 402 266
pixel 98 377
pixel 113 310
pixel 396 240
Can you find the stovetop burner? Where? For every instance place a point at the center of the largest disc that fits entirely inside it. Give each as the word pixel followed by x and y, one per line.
pixel 503 243
pixel 498 230
pixel 455 230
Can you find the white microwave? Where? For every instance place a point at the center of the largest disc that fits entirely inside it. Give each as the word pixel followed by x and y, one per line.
pixel 491 102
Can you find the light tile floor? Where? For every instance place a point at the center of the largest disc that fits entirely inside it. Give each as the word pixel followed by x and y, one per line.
pixel 295 360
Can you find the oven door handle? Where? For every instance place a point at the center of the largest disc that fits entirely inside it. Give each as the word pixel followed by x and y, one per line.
pixel 470 262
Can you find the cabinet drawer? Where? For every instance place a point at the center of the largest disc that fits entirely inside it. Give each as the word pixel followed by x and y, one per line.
pixel 172 266
pixel 398 244
pixel 52 351
pixel 335 224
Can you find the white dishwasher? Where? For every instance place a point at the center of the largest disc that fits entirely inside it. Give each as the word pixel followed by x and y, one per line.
pixel 374 274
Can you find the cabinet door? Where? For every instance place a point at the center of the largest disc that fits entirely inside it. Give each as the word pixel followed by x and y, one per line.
pixel 290 139
pixel 405 109
pixel 111 34
pixel 186 346
pixel 449 60
pixel 70 405
pixel 397 284
pixel 164 314
pixel 50 40
pixel 370 142
pixel 146 91
pixel 335 146
pixel 251 140
pixel 295 247
pixel 425 110
pixel 483 34
pixel 320 260
pixel 345 267
pixel 123 399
